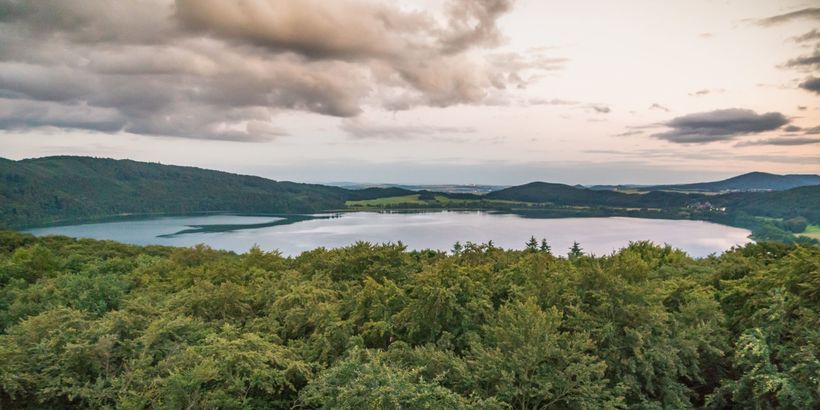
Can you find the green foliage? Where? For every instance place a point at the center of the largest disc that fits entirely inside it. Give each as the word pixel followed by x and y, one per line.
pixel 97 324
pixel 796 225
pixel 575 251
pixel 525 360
pixel 60 189
pixel 365 381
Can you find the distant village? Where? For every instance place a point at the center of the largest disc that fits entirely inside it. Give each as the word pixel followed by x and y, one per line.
pixel 706 206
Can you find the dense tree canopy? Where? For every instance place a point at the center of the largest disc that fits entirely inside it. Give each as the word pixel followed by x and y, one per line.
pixel 96 324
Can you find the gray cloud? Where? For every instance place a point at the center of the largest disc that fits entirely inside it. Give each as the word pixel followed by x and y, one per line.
pixel 224 70
pixel 656 106
pixel 552 101
pixel 805 61
pixel 807 37
pixel 811 84
pixel 363 130
pixel 807 13
pixel 783 141
pixel 599 109
pixel 719 125
pixel 706 91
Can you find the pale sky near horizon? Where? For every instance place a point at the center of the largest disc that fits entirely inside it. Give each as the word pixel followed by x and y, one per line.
pixel 418 91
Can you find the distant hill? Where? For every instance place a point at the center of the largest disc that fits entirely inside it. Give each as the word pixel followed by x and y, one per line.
pixel 801 201
pixel 445 188
pixel 53 189
pixel 753 181
pixel 71 189
pixel 560 194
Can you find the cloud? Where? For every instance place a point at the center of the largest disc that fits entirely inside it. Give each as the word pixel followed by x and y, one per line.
pixel 719 125
pixel 212 69
pixel 811 84
pixel 706 91
pixel 791 128
pixel 807 37
pixel 805 61
pixel 656 106
pixel 599 109
pixel 807 13
pixel 630 133
pixel 790 141
pixel 361 129
pixel 552 101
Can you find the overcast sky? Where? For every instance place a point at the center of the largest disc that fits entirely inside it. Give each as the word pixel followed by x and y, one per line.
pixel 424 91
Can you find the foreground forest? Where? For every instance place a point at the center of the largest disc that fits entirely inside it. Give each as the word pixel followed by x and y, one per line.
pixel 99 324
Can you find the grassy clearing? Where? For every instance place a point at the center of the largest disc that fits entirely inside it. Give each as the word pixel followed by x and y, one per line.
pixel 392 200
pixel 812 231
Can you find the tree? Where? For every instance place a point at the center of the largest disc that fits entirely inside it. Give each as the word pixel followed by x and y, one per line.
pixel 796 225
pixel 97 324
pixel 545 247
pixel 366 381
pixel 532 244
pixel 457 248
pixel 527 362
pixel 575 251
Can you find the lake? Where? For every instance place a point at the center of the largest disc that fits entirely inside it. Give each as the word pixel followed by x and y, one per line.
pixel 434 230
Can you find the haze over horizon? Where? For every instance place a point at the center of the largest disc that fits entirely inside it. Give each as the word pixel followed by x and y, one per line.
pixel 497 92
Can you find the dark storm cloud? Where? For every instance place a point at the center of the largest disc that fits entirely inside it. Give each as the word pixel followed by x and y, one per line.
pixel 719 125
pixel 224 70
pixel 811 84
pixel 807 13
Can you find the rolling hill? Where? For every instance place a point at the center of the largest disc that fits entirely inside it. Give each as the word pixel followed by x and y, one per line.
pixel 69 189
pixel 54 189
pixel 560 194
pixel 752 181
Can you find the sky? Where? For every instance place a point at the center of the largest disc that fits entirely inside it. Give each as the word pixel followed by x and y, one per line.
pixel 418 91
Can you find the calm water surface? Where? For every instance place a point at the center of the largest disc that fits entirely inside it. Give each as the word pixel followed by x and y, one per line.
pixel 435 230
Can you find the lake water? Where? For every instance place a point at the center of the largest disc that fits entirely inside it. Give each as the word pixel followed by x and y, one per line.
pixel 435 230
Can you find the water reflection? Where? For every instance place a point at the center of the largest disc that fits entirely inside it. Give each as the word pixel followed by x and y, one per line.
pixel 434 230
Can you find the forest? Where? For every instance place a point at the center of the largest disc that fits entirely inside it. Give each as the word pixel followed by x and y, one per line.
pixel 69 189
pixel 99 324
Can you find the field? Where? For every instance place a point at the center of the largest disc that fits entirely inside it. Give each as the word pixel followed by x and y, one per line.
pixel 812 231
pixel 393 200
